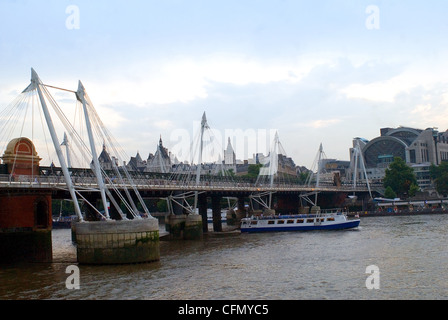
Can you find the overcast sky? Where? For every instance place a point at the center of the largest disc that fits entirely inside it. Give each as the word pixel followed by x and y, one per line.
pixel 322 71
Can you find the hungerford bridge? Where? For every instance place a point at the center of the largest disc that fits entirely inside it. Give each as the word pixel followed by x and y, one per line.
pixel 102 232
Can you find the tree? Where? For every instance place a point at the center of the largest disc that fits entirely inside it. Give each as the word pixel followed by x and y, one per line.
pixel 162 206
pixel 303 177
pixel 389 193
pixel 253 170
pixel 399 176
pixel 226 173
pixel 413 190
pixel 439 174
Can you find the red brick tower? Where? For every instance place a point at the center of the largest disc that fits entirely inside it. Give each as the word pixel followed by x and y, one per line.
pixel 25 207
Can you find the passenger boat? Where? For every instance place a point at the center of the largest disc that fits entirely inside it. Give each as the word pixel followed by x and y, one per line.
pixel 329 220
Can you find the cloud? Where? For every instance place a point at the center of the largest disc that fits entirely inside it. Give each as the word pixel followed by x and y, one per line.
pixel 403 78
pixel 379 91
pixel 187 78
pixel 426 106
pixel 163 124
pixel 422 109
pixel 320 124
pixel 309 99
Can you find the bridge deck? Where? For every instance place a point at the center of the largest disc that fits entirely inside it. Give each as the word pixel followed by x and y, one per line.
pixel 89 183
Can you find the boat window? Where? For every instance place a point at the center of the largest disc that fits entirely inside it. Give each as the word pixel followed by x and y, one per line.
pixel 309 220
pixel 271 222
pixel 254 222
pixel 330 219
pixel 290 221
pixel 299 220
pixel 280 221
pixel 321 220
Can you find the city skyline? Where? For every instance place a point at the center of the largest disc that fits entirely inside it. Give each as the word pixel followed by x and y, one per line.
pixel 325 72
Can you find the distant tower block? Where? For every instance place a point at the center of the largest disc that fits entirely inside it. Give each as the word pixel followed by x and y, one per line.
pixel 25 213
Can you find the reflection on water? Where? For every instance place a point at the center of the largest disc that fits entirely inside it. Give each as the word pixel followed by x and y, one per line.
pixel 410 252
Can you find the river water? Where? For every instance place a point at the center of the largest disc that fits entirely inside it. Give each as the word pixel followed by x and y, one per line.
pixel 411 255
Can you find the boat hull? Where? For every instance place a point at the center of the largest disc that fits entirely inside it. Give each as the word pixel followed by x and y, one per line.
pixel 267 225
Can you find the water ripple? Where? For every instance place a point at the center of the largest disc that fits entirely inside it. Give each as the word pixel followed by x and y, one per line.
pixel 409 251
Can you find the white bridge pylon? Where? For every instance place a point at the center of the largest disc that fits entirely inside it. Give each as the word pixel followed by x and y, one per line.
pixel 315 177
pixel 205 150
pixel 268 172
pixel 359 158
pixel 109 182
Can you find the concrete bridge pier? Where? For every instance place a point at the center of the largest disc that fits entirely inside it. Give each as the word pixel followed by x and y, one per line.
pixel 202 207
pixel 117 241
pixel 175 223
pixel 183 226
pixel 241 204
pixel 193 227
pixel 216 211
pixel 241 212
pixel 234 217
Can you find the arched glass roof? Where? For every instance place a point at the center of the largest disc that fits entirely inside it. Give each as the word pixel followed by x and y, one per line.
pixel 408 135
pixel 382 150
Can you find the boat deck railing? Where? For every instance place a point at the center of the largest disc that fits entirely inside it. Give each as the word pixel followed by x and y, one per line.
pixel 302 215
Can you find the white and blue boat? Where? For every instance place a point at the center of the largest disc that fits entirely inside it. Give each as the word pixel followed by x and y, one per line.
pixel 332 220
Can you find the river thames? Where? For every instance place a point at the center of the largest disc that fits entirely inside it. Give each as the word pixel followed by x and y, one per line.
pixel 409 252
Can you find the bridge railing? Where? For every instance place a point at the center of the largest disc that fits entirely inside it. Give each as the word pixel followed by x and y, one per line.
pixel 56 181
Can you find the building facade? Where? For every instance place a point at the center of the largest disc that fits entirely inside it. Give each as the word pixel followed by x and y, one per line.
pixel 160 161
pixel 418 148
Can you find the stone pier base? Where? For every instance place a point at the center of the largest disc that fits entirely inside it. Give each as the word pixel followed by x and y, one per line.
pixel 184 227
pixel 231 217
pixel 234 217
pixel 175 225
pixel 315 209
pixel 193 227
pixel 117 241
pixel 269 212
